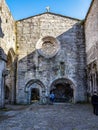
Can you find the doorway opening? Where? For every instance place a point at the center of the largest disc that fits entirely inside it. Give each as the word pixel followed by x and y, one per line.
pixel 35 96
pixel 34 89
pixel 62 90
pixel 7 95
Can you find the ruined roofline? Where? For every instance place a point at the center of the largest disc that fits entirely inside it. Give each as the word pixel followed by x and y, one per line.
pixel 8 9
pixel 89 9
pixel 51 14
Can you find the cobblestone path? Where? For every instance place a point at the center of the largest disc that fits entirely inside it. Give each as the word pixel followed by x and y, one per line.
pixel 49 117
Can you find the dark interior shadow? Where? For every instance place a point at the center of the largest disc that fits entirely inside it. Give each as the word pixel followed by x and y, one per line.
pixel 1 32
pixel 2 54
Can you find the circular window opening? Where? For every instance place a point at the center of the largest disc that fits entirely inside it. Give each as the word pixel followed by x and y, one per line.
pixel 48 46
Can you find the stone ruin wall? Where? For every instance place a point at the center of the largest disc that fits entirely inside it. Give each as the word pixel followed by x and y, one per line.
pixel 7 28
pixel 91 41
pixel 7 43
pixel 71 36
pixel 72 53
pixel 91 33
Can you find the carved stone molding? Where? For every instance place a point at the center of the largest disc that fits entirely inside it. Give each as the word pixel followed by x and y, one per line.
pixel 48 46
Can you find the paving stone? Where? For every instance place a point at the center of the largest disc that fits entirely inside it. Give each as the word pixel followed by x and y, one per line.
pixel 50 117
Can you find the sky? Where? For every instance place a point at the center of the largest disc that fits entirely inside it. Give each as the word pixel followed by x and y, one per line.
pixel 25 8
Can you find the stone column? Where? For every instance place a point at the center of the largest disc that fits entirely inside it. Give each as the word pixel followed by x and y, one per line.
pixel 95 82
pixel 90 84
pixel 1 84
pixel 13 98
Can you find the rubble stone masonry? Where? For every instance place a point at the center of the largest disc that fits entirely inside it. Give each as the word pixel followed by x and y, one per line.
pixel 91 33
pixel 32 66
pixel 47 50
pixel 7 28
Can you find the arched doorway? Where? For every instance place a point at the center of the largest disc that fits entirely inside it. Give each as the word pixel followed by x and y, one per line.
pixel 63 90
pixel 34 91
pixel 10 79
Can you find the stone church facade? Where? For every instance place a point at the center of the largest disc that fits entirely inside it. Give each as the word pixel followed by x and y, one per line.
pixel 48 53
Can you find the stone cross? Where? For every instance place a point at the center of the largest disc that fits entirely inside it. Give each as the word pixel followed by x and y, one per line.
pixel 48 8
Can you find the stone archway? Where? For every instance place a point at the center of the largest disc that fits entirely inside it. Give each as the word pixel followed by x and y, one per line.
pixel 10 79
pixel 34 90
pixel 63 90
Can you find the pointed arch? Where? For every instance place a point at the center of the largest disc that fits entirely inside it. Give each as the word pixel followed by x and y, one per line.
pixel 11 77
pixel 10 57
pixel 34 88
pixel 29 83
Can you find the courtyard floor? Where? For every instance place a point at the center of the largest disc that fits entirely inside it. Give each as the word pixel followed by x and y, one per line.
pixel 48 117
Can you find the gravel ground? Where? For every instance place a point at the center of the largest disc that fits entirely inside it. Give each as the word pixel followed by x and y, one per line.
pixel 48 117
